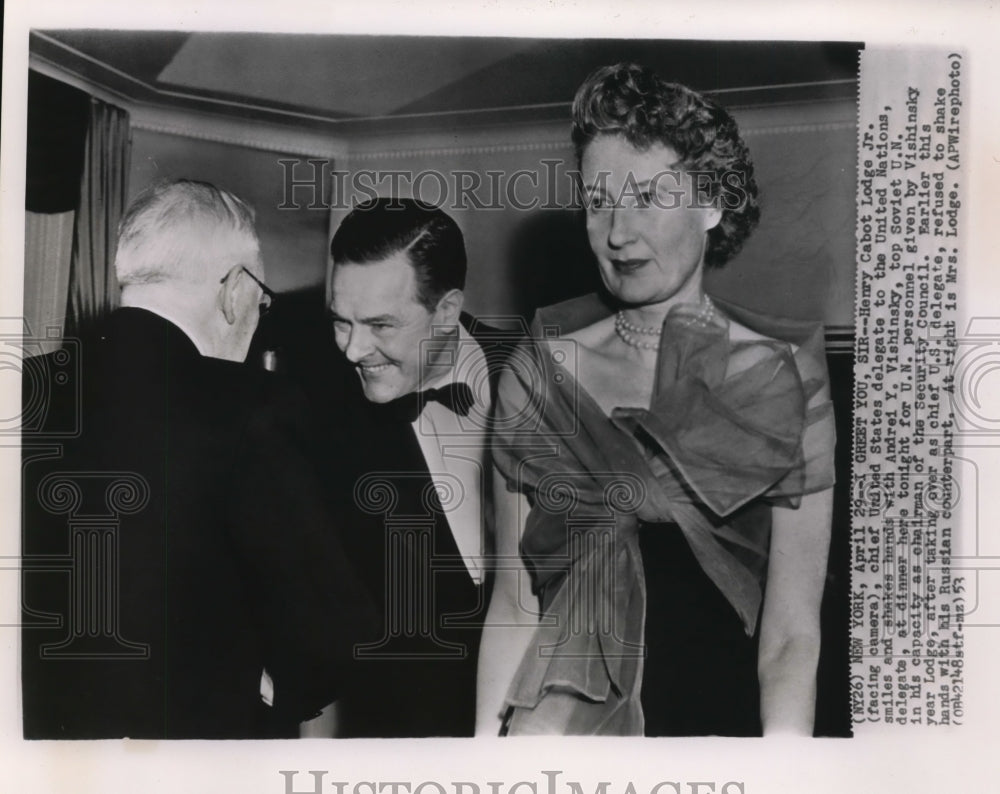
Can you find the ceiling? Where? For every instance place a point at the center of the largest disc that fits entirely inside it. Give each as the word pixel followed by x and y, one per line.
pixel 355 81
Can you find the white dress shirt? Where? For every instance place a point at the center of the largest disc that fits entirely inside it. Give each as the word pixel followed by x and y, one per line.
pixel 455 449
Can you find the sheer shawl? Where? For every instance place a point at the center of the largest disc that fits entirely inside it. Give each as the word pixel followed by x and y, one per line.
pixel 710 446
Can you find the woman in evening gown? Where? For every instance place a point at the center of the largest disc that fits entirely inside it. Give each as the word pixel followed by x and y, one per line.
pixel 664 459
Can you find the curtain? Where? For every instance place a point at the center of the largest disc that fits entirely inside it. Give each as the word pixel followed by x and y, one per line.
pixel 48 244
pixel 57 131
pixel 93 290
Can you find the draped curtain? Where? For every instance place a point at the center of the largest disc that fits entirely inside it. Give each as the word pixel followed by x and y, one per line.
pixel 48 243
pixel 57 130
pixel 93 289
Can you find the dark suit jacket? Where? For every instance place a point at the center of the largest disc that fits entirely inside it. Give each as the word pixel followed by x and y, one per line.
pixel 418 677
pixel 175 545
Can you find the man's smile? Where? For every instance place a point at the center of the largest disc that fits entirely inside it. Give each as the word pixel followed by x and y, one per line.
pixel 373 369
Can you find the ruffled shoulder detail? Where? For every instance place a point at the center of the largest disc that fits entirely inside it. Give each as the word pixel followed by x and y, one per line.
pixel 733 434
pixel 763 431
pixel 808 345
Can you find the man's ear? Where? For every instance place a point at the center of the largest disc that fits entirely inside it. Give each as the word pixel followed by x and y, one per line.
pixel 449 307
pixel 228 297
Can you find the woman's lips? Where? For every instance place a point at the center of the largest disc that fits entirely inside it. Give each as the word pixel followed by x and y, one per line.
pixel 627 266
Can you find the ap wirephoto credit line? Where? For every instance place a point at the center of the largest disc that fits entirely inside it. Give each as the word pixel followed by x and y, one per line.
pixel 908 602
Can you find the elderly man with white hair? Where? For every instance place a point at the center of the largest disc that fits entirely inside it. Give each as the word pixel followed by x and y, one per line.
pixel 181 576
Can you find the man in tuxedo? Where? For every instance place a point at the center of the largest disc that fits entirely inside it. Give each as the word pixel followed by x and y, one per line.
pixel 181 578
pixel 416 481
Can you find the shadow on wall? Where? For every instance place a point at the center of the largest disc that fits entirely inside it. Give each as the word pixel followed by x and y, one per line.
pixel 549 260
pixel 297 331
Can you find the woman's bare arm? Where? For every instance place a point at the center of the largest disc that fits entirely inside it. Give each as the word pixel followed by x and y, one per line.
pixel 790 624
pixel 511 616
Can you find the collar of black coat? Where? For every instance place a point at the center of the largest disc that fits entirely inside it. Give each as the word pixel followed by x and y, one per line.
pixel 131 326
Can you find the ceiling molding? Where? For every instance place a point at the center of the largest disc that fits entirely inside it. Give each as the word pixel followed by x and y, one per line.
pixel 784 129
pixel 449 151
pixel 58 72
pixel 101 75
pixel 785 108
pixel 200 126
pixel 784 119
pixel 238 132
pixel 309 142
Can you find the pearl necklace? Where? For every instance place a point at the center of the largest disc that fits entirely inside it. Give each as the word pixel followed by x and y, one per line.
pixel 629 333
pixel 647 330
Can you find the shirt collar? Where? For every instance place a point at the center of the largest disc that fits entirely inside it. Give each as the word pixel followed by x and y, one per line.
pixel 468 358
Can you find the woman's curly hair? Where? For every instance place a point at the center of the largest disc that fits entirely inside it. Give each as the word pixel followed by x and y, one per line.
pixel 631 101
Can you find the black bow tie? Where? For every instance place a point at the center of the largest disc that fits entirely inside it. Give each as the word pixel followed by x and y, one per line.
pixel 456 397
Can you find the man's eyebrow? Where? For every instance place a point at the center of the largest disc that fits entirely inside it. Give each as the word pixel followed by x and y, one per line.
pixel 378 318
pixel 601 188
pixel 601 184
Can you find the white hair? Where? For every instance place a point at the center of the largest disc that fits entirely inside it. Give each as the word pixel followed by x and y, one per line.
pixel 183 230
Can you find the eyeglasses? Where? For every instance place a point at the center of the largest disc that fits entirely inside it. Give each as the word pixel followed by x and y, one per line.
pixel 269 294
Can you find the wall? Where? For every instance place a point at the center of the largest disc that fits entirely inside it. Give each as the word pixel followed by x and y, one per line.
pixel 799 262
pixel 513 251
pixel 243 157
pixel 525 249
